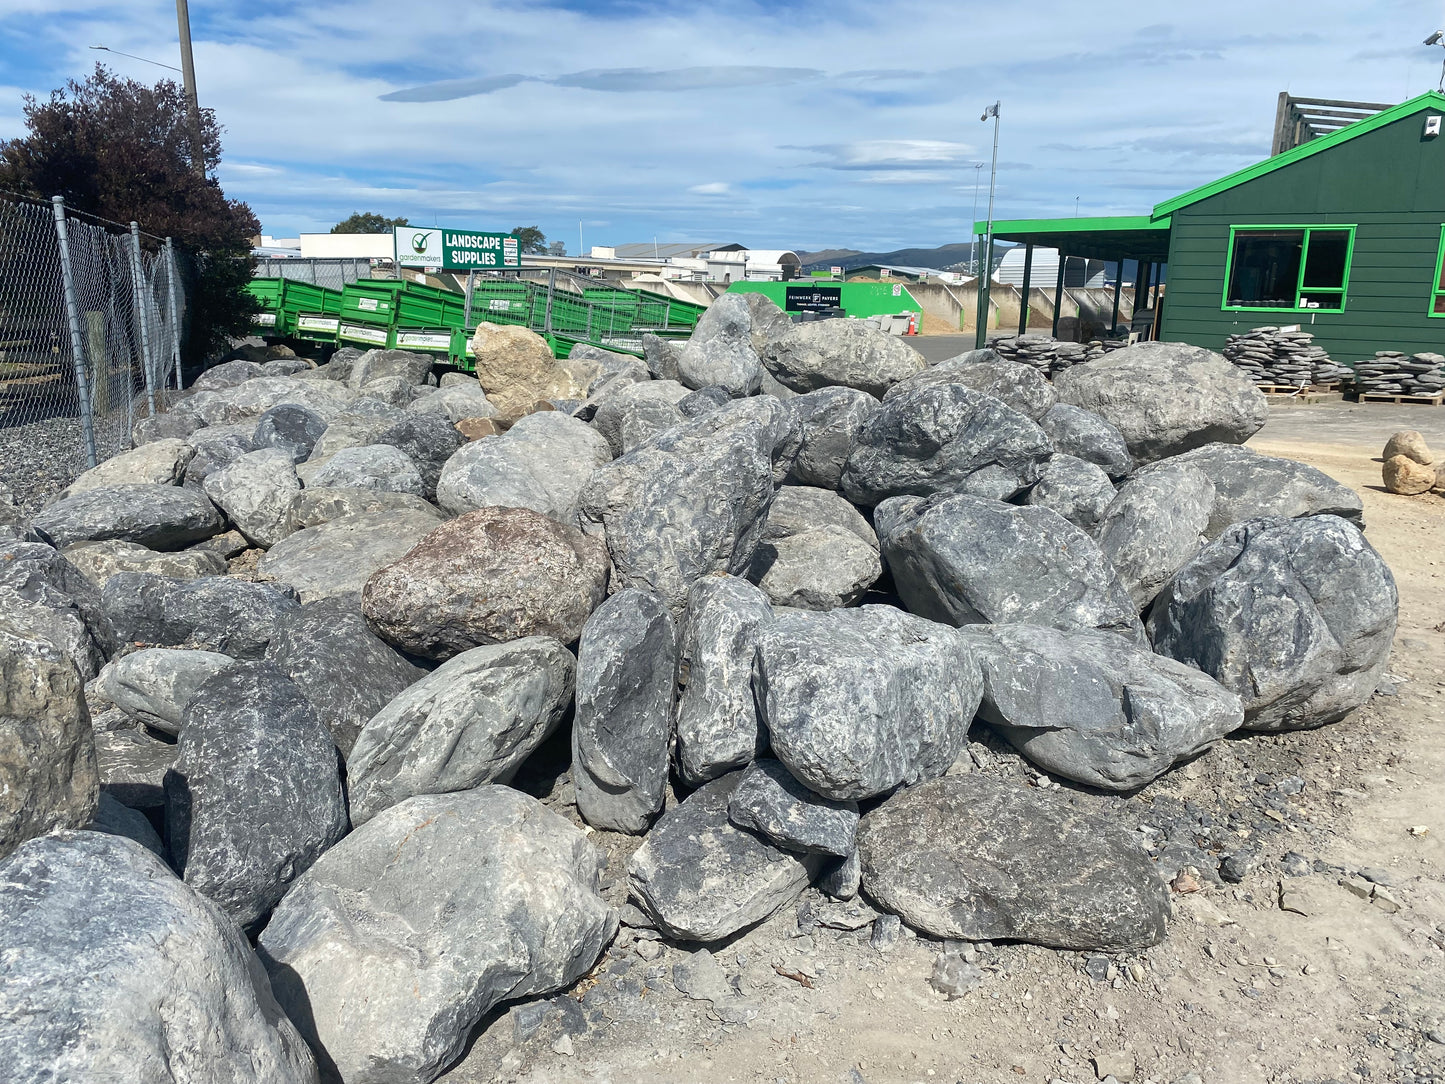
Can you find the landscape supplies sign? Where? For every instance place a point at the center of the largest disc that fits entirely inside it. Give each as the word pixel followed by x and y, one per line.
pixel 812 298
pixel 454 250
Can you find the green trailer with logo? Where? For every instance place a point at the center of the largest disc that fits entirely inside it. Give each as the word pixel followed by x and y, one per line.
pixel 291 308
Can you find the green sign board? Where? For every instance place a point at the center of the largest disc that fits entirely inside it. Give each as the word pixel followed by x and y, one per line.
pixel 443 249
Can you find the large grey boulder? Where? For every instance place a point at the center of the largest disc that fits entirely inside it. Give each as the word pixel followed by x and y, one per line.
pixel 690 501
pixel 393 946
pixel 160 517
pixel 250 400
pixel 1094 707
pixel 162 427
pixel 338 556
pixel 1085 435
pixel 965 560
pixel 154 685
pixel 1154 525
pixel 487 577
pixel 231 616
pixel 796 509
pixel 47 755
pixel 1166 398
pixel 1295 615
pixel 54 618
pixel 542 462
pixel 1249 485
pixel 1074 488
pixel 717 719
pixel 216 447
pixel 35 577
pixel 831 419
pixel 99 561
pixel 660 356
pixel 988 860
pixel 840 353
pixel 116 971
pixel 228 374
pixel 132 767
pixel 370 466
pixel 454 402
pixel 944 438
pixel 318 505
pixel 1020 386
pixel 291 427
pixel 820 568
pixel 472 720
pixel 721 349
pixel 429 440
pixel 622 731
pixel 701 878
pixel 638 412
pixel 770 802
pixel 255 492
pixel 373 365
pixel 858 702
pixel 343 668
pixel 255 795
pixel 159 463
pixel 360 424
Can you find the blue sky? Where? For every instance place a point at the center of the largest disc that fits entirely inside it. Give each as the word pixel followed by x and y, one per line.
pixel 783 124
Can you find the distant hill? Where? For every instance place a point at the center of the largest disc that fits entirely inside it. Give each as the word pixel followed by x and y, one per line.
pixel 828 255
pixel 940 258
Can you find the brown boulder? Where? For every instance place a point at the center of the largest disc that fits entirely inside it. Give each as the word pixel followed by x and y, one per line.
pixel 490 576
pixel 477 428
pixel 1404 475
pixel 515 367
pixel 1409 443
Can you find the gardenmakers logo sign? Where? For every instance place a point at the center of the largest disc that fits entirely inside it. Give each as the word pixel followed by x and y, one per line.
pixel 454 250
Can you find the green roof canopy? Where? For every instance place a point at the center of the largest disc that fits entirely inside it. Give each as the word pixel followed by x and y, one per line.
pixel 1123 237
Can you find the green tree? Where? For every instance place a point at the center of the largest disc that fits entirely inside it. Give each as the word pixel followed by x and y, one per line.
pixel 121 149
pixel 368 222
pixel 533 241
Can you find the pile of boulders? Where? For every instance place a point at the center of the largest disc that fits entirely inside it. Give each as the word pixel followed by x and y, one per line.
pixel 267 679
pixel 1048 355
pixel 1273 355
pixel 1410 467
pixel 1393 372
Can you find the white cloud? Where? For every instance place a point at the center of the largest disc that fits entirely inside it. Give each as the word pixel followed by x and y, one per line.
pixel 712 188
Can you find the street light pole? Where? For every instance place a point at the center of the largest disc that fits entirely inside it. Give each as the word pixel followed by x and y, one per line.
pixel 986 268
pixel 188 75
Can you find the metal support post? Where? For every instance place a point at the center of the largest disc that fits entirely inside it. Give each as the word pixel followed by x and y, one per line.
pixel 1024 293
pixel 1118 287
pixel 551 288
pixel 72 313
pixel 1059 294
pixel 986 269
pixel 172 273
pixel 142 311
pixel 467 304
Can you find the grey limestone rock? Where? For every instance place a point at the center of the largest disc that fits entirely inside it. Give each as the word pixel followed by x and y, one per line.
pixel 160 517
pixel 341 666
pixel 231 616
pixel 429 439
pixel 338 556
pixel 721 349
pixel 161 426
pixel 701 878
pixel 832 419
pixel 69 603
pixel 132 767
pixel 1085 435
pixel 1167 398
pixel 639 412
pixel 769 801
pixel 402 937
pixel 1074 488
pixel 158 463
pixel 154 685
pixel 840 353
pixel 216 447
pixel 1154 525
pixel 860 701
pixel 796 509
pixel 228 374
pixel 454 402
pixel 394 390
pixel 1295 615
pixel 660 356
pixel 703 401
pixel 985 859
pixel 1021 387
pixel 1097 708
pixel 944 438
pixel 358 425
pixel 291 427
pixel 255 795
pixel 622 732
pixel 117 971
pixel 379 364
pixel 370 466
pixel 487 577
pixel 946 555
pixel 255 492
pixel 820 568
pixel 472 720
pixel 313 507
pixel 717 720
pixel 99 561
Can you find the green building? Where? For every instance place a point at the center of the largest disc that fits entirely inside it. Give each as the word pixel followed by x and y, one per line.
pixel 1343 235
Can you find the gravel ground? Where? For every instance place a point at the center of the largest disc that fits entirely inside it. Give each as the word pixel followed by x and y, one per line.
pixel 40 459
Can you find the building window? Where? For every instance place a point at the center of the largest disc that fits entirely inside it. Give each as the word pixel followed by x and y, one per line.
pixel 1288 269
pixel 1437 289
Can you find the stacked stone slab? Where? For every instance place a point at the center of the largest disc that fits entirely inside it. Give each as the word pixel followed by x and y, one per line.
pixel 1393 372
pixel 1272 355
pixel 1049 355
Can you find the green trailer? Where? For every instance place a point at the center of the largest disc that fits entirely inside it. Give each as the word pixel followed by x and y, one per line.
pixel 290 307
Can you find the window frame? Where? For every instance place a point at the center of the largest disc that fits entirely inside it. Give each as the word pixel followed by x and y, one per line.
pixel 1437 291
pixel 1306 229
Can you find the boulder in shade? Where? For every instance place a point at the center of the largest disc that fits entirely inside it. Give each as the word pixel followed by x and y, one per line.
pixel 770 802
pixel 234 617
pixel 154 685
pixel 291 427
pixel 840 353
pixel 159 517
pixel 132 767
pixel 411 366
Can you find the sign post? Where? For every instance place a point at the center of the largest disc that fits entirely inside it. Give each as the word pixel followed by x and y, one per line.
pixel 443 249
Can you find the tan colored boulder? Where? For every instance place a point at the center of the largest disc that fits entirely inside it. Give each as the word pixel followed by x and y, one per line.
pixel 516 368
pixel 1403 475
pixel 1409 443
pixel 477 428
pixel 1439 486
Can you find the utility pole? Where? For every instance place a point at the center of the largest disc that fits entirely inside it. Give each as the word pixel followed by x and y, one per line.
pixel 188 75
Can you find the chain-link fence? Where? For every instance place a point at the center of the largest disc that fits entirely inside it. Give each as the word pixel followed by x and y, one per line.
pixel 92 314
pixel 331 272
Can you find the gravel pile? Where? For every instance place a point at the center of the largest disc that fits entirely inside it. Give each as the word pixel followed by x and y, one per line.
pixel 1273 356
pixel 1392 372
pixel 1049 355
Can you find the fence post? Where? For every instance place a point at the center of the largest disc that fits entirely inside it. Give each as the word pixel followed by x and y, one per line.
pixel 171 274
pixel 551 287
pixel 137 277
pixel 467 305
pixel 72 312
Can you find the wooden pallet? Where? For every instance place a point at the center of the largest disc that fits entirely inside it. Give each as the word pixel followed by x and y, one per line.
pixel 1387 397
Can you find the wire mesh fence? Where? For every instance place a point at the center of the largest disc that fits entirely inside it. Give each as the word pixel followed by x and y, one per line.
pixel 92 315
pixel 332 272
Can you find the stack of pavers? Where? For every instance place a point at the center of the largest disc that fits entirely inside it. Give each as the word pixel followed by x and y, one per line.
pixel 1051 356
pixel 1393 372
pixel 1273 356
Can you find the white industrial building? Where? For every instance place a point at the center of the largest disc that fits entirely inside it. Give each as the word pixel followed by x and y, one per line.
pixel 1045 270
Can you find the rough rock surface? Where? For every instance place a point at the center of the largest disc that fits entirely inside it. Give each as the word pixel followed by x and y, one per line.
pixel 231 616
pixel 1295 615
pixel 159 463
pixel 821 568
pixel 840 353
pixel 255 492
pixel 717 718
pixel 403 936
pixel 796 509
pixel 370 466
pixel 255 795
pixel 99 561
pixel 639 412
pixel 472 720
pixel 375 365
pixel 660 356
pixel 133 766
pixel 1020 386
pixel 1096 708
pixel 1076 489
pixel 701 878
pixel 291 427
pixel 832 419
pixel 160 517
pixel 34 577
pixel 47 755
pixel 988 860
pixel 429 440
pixel 317 505
pixel 1167 398
pixel 120 820
pixel 489 576
pixel 860 701
pixel 944 438
pixel 721 350
pixel 1409 443
pixel 360 424
pixel 1082 433
pixel 116 971
pixel 516 369
pixel 622 732
pixel 154 685
pixel 1401 474
pixel 770 802
pixel 944 553
pixel 339 556
pixel 1155 525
